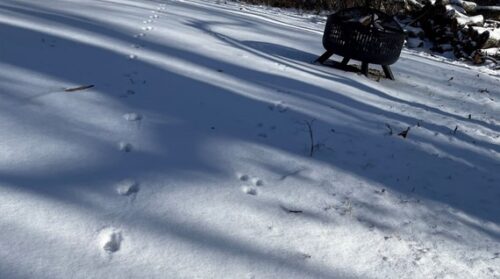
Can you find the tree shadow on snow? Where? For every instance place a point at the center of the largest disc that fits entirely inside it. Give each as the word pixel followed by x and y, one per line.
pixel 180 106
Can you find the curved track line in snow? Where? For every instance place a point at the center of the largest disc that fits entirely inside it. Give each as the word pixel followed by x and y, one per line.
pixel 406 52
pixel 252 15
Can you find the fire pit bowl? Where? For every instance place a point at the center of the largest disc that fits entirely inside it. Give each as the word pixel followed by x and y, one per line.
pixel 363 34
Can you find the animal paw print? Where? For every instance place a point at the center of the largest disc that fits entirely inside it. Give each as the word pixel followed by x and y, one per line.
pixel 125 146
pixel 132 116
pixel 127 187
pixel 110 240
pixel 279 107
pixel 244 177
pixel 264 129
pixel 255 180
pixel 249 190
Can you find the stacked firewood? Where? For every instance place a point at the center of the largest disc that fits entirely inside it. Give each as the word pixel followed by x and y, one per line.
pixel 465 28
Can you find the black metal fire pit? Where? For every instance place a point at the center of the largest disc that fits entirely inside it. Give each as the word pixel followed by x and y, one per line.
pixel 363 34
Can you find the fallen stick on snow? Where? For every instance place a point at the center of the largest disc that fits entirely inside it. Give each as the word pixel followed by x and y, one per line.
pixel 288 210
pixel 83 87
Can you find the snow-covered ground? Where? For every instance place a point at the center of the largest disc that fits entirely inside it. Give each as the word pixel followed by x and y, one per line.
pixel 190 155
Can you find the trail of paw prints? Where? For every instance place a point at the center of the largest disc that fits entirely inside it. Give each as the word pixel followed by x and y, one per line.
pixel 139 35
pixel 251 184
pixel 162 7
pixel 134 78
pixel 135 83
pixel 144 29
pixel 279 106
pixel 110 238
pixel 148 26
pixel 138 46
pixel 265 129
pixel 132 117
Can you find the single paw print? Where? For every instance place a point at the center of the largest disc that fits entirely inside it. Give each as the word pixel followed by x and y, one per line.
pixel 257 182
pixel 244 177
pixel 249 190
pixel 127 187
pixel 132 116
pixel 110 240
pixel 124 146
pixel 279 107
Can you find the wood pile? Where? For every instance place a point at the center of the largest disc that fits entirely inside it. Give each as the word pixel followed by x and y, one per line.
pixel 465 28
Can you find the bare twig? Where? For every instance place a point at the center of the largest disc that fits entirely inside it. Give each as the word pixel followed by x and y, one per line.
pixel 390 128
pixel 83 87
pixel 311 137
pixel 294 211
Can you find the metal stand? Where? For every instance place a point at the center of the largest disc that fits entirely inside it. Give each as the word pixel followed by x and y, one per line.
pixel 364 68
pixel 364 65
pixel 345 61
pixel 324 57
pixel 388 72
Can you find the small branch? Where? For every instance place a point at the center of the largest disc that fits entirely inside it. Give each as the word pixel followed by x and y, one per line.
pixel 311 137
pixel 490 59
pixel 83 87
pixel 294 211
pixel 390 129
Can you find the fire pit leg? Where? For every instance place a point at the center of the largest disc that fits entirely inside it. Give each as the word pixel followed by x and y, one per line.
pixel 388 72
pixel 324 57
pixel 345 61
pixel 364 68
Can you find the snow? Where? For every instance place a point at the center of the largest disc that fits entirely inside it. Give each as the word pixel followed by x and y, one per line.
pixel 190 156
